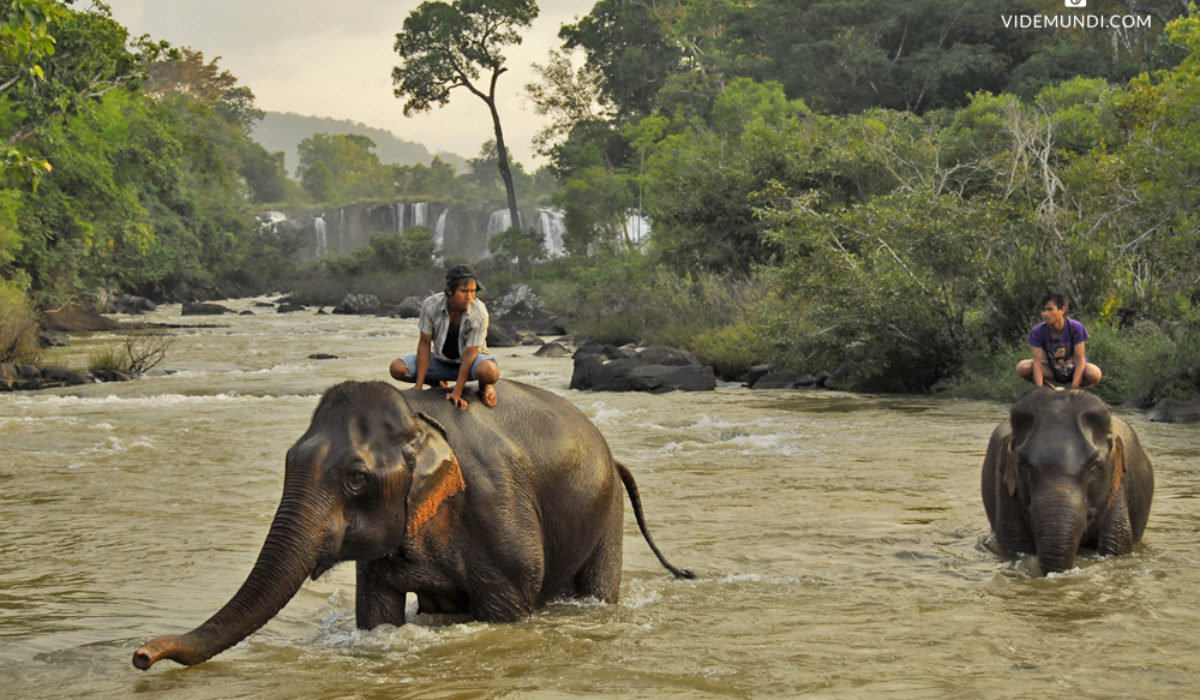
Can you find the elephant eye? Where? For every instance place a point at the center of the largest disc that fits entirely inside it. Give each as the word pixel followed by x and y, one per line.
pixel 355 480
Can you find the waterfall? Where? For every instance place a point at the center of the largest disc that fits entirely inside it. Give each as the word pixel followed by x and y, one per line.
pixel 499 222
pixel 398 215
pixel 421 214
pixel 322 241
pixel 550 225
pixel 637 228
pixel 439 229
pixel 439 237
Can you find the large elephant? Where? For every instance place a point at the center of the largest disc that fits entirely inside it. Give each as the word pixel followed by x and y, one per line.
pixel 1064 473
pixel 487 511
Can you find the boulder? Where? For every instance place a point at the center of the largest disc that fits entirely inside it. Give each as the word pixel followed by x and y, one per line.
pixel 753 374
pixel 787 379
pixel 552 350
pixel 288 307
pixel 659 379
pixel 556 326
pixel 500 337
pixel 322 356
pixel 829 380
pixel 1173 411
pixel 783 379
pixel 18 377
pixel 191 308
pixel 613 375
pixel 520 309
pixel 72 319
pixel 109 375
pixel 51 339
pixel 130 304
pixel 358 304
pixel 410 307
pixel 655 369
pixel 663 355
pixel 520 293
pixel 611 352
pixel 586 366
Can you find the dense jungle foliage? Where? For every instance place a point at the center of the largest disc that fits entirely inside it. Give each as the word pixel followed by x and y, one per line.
pixel 885 185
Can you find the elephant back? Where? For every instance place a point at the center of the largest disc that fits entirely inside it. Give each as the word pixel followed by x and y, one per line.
pixel 531 428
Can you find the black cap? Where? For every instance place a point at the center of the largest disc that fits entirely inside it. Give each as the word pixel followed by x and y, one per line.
pixel 461 273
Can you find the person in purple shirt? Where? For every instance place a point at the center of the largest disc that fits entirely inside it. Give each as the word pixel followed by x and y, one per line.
pixel 1058 352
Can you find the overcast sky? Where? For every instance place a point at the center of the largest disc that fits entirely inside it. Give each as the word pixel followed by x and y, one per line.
pixel 334 59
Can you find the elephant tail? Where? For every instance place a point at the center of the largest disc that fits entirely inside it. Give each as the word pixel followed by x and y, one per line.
pixel 636 500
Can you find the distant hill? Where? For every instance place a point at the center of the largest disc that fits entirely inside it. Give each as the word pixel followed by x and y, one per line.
pixel 283 131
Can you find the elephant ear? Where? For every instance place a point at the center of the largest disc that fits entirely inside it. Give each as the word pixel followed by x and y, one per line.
pixel 1008 470
pixel 432 421
pixel 436 477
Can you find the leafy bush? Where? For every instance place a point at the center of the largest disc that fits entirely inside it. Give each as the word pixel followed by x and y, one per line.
pixel 732 349
pixel 109 359
pixel 629 299
pixel 990 372
pixel 1146 363
pixel 18 326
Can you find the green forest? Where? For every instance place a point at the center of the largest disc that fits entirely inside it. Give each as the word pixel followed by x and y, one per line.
pixel 888 186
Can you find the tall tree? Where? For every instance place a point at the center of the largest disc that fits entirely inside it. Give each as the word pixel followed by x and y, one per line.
pixel 449 45
pixel 629 44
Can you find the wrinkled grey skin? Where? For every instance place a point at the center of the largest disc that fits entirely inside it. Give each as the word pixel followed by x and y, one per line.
pixel 491 512
pixel 1063 473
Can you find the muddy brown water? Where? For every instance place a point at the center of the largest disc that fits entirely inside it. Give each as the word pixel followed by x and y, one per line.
pixel 839 542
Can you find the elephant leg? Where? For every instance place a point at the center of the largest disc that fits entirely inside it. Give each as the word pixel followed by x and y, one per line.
pixel 600 575
pixel 497 596
pixel 376 602
pixel 504 604
pixel 1116 534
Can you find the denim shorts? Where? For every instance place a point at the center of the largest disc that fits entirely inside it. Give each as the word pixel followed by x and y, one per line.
pixel 442 371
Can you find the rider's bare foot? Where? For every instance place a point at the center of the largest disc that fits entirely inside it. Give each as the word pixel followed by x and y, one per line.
pixel 488 392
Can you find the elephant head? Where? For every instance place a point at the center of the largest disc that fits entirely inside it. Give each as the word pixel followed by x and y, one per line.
pixel 1058 478
pixel 367 474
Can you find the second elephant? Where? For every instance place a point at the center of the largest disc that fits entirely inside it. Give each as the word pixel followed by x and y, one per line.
pixel 1062 473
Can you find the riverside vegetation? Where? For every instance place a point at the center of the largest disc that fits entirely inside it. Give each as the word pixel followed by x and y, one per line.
pixel 804 219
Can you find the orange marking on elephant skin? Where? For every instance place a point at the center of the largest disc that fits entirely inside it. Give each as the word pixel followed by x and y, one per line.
pixel 450 484
pixel 1118 472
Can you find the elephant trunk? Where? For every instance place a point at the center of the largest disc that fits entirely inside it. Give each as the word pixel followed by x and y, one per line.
pixel 1059 519
pixel 288 556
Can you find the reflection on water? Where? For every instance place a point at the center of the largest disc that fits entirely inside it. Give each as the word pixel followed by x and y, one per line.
pixel 839 541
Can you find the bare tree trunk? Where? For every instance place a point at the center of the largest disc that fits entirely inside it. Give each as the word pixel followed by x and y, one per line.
pixel 502 154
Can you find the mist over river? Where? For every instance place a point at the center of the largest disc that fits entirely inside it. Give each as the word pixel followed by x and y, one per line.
pixel 839 543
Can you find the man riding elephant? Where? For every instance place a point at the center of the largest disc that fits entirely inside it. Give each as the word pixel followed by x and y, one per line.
pixel 453 343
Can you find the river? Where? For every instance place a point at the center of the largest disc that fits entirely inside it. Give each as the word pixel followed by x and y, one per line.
pixel 839 543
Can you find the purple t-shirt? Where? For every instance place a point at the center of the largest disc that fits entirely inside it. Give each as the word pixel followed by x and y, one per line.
pixel 1059 347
